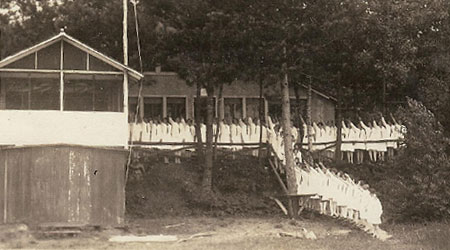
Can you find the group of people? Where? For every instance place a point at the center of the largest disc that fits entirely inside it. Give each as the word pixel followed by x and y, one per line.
pixel 329 191
pixel 377 140
pixel 336 194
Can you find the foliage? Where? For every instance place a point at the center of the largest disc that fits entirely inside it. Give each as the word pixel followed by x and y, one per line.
pixel 423 167
pixel 414 185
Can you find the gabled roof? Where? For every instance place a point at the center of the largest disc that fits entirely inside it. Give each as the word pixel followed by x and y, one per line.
pixel 63 36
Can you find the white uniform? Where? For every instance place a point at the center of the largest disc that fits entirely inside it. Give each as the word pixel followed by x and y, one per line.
pixel 379 136
pixel 346 145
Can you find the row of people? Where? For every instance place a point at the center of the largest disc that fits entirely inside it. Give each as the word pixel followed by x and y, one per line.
pixel 374 138
pixel 336 194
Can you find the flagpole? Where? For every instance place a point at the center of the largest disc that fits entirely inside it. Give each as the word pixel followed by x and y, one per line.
pixel 125 32
pixel 125 73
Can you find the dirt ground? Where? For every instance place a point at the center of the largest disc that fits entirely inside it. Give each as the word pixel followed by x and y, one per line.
pixel 240 233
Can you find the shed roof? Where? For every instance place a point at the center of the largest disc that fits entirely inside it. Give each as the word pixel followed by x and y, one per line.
pixel 65 37
pixel 175 75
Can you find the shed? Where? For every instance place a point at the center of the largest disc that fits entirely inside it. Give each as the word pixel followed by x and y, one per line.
pixel 63 134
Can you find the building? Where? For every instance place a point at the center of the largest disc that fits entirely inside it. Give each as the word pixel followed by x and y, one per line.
pixel 63 134
pixel 166 95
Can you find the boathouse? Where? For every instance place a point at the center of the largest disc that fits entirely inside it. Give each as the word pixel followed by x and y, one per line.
pixel 63 134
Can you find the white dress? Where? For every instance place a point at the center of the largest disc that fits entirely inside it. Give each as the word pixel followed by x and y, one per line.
pixel 146 132
pixel 371 137
pixel 176 134
pixel 346 146
pixel 360 139
pixel 245 137
pixel 379 136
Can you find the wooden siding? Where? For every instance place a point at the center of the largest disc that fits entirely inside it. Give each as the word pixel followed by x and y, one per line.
pixel 63 184
pixel 170 85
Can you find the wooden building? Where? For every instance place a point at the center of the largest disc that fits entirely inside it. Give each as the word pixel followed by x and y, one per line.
pixel 63 134
pixel 166 95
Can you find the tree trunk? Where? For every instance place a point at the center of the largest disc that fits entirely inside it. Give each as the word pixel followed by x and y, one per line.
pixel 337 152
pixel 207 171
pixel 308 113
pixel 299 124
pixel 287 139
pixel 198 133
pixel 216 137
pixel 261 115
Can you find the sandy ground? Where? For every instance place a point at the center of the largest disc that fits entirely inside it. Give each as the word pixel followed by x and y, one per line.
pixel 221 233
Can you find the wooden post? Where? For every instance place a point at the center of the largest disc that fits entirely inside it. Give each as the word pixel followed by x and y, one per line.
pixel 261 114
pixel 299 115
pixel 125 62
pixel 125 101
pixel 125 32
pixel 164 106
pixel 308 112
pixel 337 152
pixel 384 97
pixel 5 201
pixel 61 77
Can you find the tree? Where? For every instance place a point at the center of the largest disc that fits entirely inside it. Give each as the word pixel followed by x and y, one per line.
pixel 202 50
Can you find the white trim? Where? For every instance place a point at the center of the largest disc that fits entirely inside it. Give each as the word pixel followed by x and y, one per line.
pixel 164 106
pixel 74 42
pixel 35 60
pixel 67 71
pixel 87 61
pixel 61 79
pixel 125 102
pixel 244 107
pixel 151 73
pixel 5 191
pixel 28 51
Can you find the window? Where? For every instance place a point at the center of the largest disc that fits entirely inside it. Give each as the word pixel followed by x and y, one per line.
pixel 74 58
pixel 98 65
pixel 24 63
pixel 233 108
pixel 32 92
pixel 252 107
pixel 176 107
pixel 50 57
pixel 93 93
pixel 153 107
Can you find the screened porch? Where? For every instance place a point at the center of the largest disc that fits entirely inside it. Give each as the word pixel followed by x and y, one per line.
pixel 64 92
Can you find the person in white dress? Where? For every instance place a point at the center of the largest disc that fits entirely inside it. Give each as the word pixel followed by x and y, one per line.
pixel 176 137
pixel 370 138
pixel 346 146
pixel 317 137
pixel 359 146
pixel 380 145
pixel 165 136
pixel 245 136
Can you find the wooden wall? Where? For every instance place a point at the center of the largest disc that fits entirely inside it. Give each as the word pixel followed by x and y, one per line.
pixel 37 127
pixel 167 84
pixel 63 184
